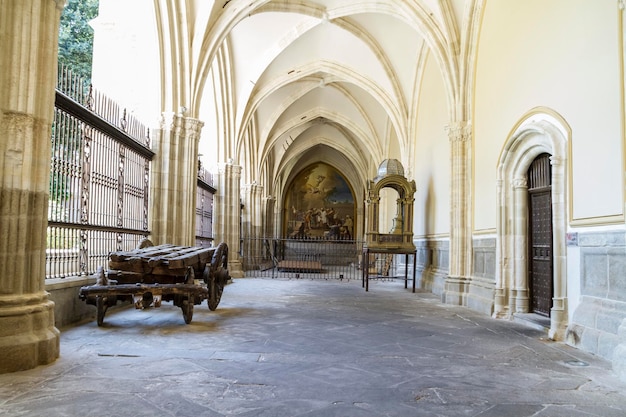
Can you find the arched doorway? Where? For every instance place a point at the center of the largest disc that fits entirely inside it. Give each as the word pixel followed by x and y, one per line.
pixel 542 135
pixel 540 261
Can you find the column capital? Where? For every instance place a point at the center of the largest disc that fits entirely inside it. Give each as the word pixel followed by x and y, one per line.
pixel 167 120
pixel 556 161
pixel 192 128
pixel 187 127
pixel 229 168
pixel 520 183
pixel 459 131
pixel 253 188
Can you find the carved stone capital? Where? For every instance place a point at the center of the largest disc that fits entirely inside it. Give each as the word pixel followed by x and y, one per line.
pixel 167 120
pixel 253 188
pixel 229 169
pixel 192 128
pixel 520 183
pixel 459 132
pixel 180 126
pixel 556 161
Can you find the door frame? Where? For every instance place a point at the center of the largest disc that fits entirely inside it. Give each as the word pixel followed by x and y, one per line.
pixel 544 191
pixel 539 131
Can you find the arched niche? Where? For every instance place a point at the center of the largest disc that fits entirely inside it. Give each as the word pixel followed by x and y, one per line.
pixel 391 175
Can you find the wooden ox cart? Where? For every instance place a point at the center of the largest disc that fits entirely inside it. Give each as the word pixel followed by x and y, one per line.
pixel 150 274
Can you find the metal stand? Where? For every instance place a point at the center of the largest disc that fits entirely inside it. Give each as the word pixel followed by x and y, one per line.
pixel 365 264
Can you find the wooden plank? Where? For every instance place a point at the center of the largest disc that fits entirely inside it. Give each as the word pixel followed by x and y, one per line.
pixel 206 256
pixel 120 256
pixel 165 270
pixel 136 267
pixel 155 289
pixel 167 257
pixel 189 259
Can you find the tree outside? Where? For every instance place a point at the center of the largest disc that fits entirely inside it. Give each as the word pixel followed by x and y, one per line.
pixel 76 37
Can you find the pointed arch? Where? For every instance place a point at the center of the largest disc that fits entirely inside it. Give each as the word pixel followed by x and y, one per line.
pixel 541 130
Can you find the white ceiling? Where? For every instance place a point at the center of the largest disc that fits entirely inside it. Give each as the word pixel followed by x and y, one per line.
pixel 313 78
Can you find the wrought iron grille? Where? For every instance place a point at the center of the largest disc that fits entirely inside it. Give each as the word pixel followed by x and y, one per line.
pixel 303 258
pixel 99 179
pixel 204 207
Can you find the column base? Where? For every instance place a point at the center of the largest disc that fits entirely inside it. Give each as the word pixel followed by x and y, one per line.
pixel 558 319
pixel 235 268
pixel 501 307
pixel 28 337
pixel 455 290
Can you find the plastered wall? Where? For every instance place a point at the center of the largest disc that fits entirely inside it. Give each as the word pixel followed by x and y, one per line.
pixel 564 56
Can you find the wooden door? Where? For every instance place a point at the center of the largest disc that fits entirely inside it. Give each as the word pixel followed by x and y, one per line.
pixel 540 276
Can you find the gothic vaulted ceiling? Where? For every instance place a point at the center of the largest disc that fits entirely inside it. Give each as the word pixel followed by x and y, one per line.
pixel 303 81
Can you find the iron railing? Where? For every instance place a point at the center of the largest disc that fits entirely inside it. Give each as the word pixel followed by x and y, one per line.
pixel 316 259
pixel 204 207
pixel 99 180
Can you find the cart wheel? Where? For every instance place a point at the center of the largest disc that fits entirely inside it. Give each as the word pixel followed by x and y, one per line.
pixel 101 307
pixel 187 307
pixel 216 287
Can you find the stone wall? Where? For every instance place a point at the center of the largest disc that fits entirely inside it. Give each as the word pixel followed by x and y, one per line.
pixel 480 296
pixel 68 308
pixel 432 264
pixel 602 310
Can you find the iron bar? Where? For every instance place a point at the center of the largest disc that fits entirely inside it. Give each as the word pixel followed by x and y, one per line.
pixel 98 180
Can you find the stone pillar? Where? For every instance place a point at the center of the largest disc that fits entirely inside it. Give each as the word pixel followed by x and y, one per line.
pixel 269 206
pixel 227 215
pixel 253 211
pixel 174 180
pixel 519 289
pixel 252 225
pixel 559 313
pixel 28 68
pixel 457 282
pixel 503 267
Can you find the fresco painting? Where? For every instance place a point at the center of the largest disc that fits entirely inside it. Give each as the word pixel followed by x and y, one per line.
pixel 319 204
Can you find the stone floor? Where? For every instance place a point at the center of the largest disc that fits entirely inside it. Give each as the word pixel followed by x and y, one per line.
pixel 313 348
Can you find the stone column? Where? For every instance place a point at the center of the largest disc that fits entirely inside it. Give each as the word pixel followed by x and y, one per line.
pixel 558 313
pixel 269 206
pixel 519 289
pixel 252 224
pixel 28 68
pixel 503 267
pixel 174 180
pixel 457 282
pixel 227 215
pixel 253 219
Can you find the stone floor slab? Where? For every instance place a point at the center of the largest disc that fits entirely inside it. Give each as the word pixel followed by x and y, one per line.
pixel 298 348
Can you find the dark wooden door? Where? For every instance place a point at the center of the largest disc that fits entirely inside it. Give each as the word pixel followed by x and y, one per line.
pixel 540 280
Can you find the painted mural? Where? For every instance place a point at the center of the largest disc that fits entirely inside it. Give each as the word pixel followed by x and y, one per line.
pixel 319 204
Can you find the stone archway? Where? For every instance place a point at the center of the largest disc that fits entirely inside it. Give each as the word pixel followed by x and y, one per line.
pixel 538 132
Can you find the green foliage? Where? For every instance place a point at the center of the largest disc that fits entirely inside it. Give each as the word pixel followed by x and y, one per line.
pixel 76 37
pixel 75 53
